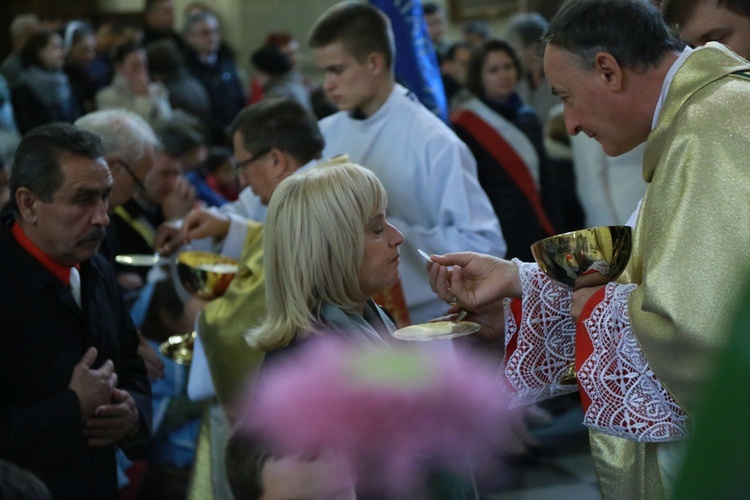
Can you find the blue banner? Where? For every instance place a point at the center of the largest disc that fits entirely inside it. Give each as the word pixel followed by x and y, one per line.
pixel 416 63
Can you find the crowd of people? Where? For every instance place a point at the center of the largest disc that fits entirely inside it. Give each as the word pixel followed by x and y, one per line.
pixel 137 139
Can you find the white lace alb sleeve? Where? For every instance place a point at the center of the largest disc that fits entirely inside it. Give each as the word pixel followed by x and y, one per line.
pixel 626 398
pixel 544 338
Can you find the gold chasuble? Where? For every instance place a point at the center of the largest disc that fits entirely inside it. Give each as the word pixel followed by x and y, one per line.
pixel 221 326
pixel 224 321
pixel 690 247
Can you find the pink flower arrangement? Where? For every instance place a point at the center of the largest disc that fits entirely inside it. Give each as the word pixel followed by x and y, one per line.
pixel 389 412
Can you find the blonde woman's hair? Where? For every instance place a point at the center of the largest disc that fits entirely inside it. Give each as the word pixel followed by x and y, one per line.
pixel 314 246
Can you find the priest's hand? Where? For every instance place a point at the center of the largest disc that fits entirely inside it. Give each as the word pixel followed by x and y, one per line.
pixel 202 223
pixel 114 421
pixel 474 281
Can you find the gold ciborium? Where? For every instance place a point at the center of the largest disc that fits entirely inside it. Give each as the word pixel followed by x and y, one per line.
pixel 207 276
pixel 587 257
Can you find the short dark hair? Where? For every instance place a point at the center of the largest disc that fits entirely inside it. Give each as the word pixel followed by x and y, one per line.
pixel 216 157
pixel 431 8
pixel 36 165
pixel 244 459
pixel 361 28
pixel 122 51
pixel 633 31
pixel 280 123
pixel 474 72
pixel 677 11
pixel 527 29
pixel 450 54
pixel 37 41
pixel 178 136
pixel 164 57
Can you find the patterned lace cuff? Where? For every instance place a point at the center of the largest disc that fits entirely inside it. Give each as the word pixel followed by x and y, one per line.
pixel 544 338
pixel 626 398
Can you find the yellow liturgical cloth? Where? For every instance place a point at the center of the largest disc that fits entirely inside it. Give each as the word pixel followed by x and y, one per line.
pixel 690 246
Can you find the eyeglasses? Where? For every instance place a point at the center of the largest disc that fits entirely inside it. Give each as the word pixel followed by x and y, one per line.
pixel 138 182
pixel 244 163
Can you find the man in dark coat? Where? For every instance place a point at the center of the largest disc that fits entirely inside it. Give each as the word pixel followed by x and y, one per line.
pixel 213 65
pixel 72 387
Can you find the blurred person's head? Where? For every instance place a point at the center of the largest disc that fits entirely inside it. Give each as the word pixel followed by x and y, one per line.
pixel 353 44
pixel 256 474
pixel 181 140
pixel 434 16
pixel 21 28
pixel 111 34
pixel 219 163
pixel 494 71
pixel 80 41
pixel 59 188
pixel 130 60
pixel 130 149
pixel 159 15
pixel 703 21
pixel 336 212
pixel 161 179
pixel 43 49
pixel 455 63
pixel 270 64
pixel 164 59
pixel 286 43
pixel 272 139
pixel 525 32
pixel 475 33
pixel 202 33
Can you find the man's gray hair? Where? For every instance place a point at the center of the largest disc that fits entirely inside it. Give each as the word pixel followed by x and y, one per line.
pixel 196 18
pixel 633 31
pixel 125 135
pixel 21 24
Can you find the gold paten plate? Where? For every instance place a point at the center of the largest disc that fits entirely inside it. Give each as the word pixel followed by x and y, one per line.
pixel 144 260
pixel 439 330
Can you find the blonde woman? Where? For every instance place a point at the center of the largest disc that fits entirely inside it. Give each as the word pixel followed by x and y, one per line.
pixel 328 248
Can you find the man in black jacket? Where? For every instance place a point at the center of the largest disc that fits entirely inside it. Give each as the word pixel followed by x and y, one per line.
pixel 72 387
pixel 213 65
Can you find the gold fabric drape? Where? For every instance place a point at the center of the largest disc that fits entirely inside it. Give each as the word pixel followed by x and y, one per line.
pixel 689 249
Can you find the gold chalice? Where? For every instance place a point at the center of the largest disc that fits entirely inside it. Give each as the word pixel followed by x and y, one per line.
pixel 587 257
pixel 205 275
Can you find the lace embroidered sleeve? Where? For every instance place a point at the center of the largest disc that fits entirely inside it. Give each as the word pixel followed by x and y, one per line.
pixel 543 336
pixel 626 398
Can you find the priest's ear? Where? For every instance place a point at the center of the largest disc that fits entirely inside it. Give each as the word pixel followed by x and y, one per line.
pixel 26 203
pixel 609 71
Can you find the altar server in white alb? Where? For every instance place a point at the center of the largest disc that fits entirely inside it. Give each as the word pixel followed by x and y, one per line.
pixel 429 174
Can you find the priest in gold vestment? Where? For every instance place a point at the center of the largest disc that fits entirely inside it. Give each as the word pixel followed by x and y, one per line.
pixel 643 347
